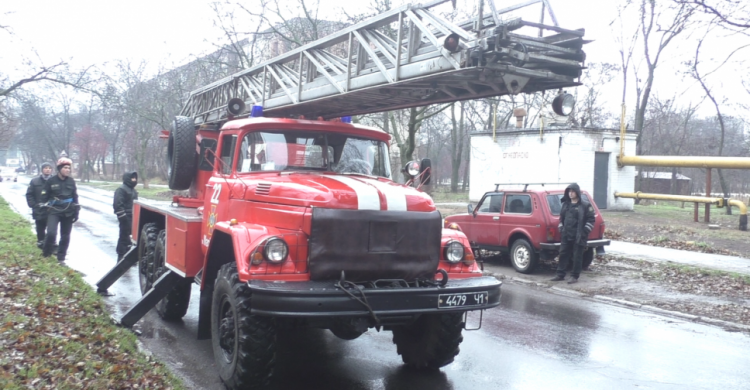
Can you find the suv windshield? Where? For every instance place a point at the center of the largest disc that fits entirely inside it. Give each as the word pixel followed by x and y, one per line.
pixel 288 150
pixel 555 205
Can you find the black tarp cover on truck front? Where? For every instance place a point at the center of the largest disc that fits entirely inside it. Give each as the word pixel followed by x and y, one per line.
pixel 371 244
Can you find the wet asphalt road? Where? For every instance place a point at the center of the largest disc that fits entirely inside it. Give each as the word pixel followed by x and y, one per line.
pixel 533 340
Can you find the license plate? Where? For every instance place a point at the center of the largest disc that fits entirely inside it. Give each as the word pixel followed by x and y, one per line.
pixel 462 300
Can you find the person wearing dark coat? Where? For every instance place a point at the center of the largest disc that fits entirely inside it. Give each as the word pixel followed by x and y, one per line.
pixel 123 205
pixel 576 221
pixel 34 200
pixel 61 196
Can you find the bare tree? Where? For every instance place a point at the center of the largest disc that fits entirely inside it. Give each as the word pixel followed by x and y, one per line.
pixel 590 107
pixel 656 37
pixel 730 13
pixel 701 78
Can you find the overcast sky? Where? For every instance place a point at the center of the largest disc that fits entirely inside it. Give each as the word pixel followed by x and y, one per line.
pixel 170 31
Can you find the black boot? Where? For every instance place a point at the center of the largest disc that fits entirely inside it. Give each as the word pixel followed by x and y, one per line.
pixel 557 278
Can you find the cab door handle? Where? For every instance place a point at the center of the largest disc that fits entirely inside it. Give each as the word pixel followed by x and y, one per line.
pixel 495 218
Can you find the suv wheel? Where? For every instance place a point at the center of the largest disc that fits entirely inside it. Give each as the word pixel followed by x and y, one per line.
pixel 244 344
pixel 522 256
pixel 431 341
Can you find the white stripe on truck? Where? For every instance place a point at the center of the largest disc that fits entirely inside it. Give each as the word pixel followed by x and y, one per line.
pixel 367 196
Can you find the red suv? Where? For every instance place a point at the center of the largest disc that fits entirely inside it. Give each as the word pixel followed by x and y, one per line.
pixel 524 224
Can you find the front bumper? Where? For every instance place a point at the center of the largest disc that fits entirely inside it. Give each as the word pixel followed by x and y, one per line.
pixel 555 246
pixel 323 299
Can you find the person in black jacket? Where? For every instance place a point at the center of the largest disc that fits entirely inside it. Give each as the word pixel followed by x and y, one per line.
pixel 123 205
pixel 576 221
pixel 61 196
pixel 34 200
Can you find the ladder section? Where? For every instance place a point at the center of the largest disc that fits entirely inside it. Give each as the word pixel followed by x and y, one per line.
pixel 406 57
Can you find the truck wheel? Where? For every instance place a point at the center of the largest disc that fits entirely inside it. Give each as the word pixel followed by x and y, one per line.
pixel 146 248
pixel 174 306
pixel 182 159
pixel 431 341
pixel 588 258
pixel 244 344
pixel 522 256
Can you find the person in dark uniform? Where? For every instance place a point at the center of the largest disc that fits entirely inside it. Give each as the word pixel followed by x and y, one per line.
pixel 61 196
pixel 576 221
pixel 34 200
pixel 123 205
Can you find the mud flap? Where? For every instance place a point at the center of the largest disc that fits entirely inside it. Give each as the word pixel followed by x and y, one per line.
pixel 204 313
pixel 158 291
pixel 600 251
pixel 130 258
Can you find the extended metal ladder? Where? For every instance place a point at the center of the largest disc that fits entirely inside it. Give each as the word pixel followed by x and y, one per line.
pixel 361 69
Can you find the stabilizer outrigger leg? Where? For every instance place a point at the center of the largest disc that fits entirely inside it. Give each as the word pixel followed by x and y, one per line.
pixel 158 291
pixel 130 258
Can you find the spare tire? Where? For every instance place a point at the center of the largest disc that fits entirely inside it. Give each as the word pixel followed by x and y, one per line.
pixel 182 158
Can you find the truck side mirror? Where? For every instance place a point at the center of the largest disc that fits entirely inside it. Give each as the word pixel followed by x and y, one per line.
pixel 470 209
pixel 425 171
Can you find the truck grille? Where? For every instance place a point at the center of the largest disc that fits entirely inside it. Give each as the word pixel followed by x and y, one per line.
pixel 370 245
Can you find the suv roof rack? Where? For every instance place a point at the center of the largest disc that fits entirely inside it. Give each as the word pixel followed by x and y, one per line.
pixel 526 185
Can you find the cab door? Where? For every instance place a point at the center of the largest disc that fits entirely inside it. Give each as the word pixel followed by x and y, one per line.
pixel 518 214
pixel 216 204
pixel 485 228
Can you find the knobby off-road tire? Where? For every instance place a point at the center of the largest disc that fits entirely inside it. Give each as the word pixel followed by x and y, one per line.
pixel 244 344
pixel 588 258
pixel 431 341
pixel 182 158
pixel 146 248
pixel 175 305
pixel 523 257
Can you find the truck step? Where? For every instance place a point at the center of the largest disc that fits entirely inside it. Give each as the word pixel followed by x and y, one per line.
pixel 130 258
pixel 160 289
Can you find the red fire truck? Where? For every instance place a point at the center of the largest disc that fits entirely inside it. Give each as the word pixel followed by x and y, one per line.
pixel 295 223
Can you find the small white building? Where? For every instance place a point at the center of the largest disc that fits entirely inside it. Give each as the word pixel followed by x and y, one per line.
pixel 555 155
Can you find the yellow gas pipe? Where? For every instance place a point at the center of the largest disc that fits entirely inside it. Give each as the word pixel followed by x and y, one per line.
pixel 719 202
pixel 686 162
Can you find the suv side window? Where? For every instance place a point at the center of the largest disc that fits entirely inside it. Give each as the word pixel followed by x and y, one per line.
pixel 518 204
pixel 492 203
pixel 555 204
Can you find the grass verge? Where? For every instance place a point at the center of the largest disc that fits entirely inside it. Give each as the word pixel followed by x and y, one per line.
pixel 55 332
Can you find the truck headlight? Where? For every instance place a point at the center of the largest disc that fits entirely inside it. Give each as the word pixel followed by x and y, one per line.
pixel 454 252
pixel 275 250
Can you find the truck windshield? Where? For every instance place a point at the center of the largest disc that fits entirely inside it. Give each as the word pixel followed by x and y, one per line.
pixel 291 150
pixel 555 205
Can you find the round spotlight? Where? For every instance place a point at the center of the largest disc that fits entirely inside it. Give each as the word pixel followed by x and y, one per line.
pixel 451 43
pixel 412 168
pixel 563 104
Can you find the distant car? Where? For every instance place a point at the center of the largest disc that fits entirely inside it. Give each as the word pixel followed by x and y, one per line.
pixel 20 170
pixel 8 174
pixel 523 224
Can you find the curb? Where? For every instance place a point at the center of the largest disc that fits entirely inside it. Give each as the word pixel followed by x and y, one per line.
pixel 622 302
pixel 567 291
